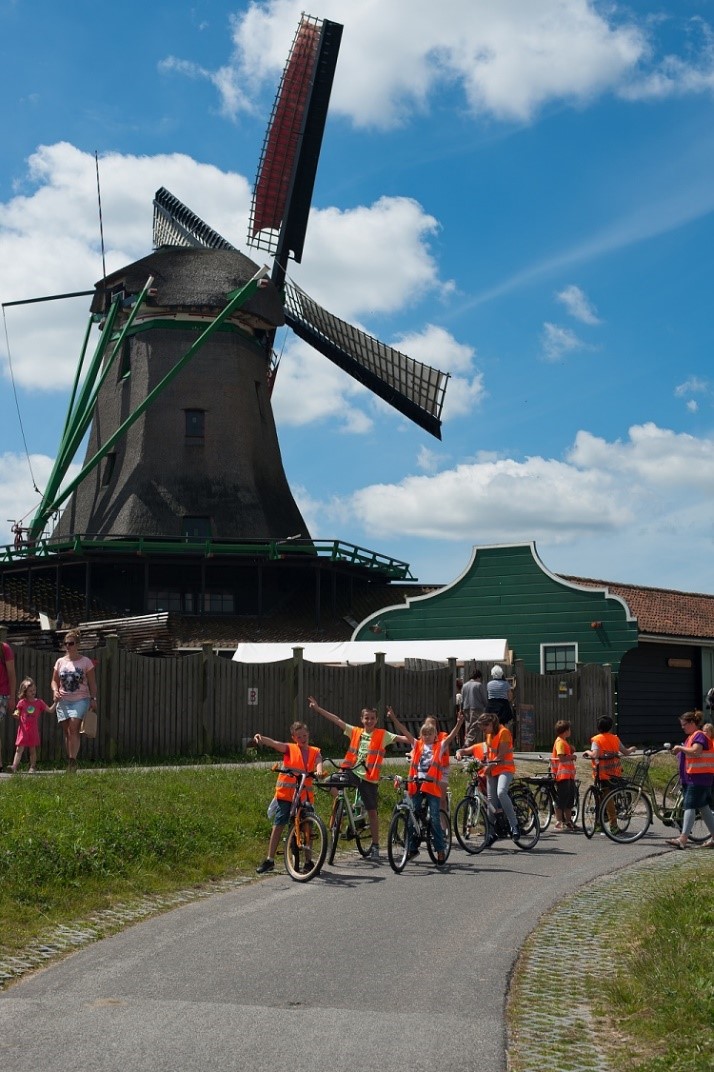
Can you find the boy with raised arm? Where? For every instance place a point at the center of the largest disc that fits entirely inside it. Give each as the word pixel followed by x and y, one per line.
pixel 367 746
pixel 299 755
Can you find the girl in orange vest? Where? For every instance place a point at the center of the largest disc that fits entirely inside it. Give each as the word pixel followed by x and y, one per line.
pixel 500 768
pixel 562 765
pixel 696 773
pixel 367 746
pixel 300 755
pixel 427 774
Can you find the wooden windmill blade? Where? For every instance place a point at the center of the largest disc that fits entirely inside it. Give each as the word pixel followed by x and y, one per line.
pixel 288 162
pixel 415 389
pixel 176 225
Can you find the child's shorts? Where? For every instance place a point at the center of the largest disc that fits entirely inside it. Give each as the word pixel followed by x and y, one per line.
pixel 279 811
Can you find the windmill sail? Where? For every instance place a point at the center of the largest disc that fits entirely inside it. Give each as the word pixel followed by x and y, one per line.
pixel 176 225
pixel 415 389
pixel 288 161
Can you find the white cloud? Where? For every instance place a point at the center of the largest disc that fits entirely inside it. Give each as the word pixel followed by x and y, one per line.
pixel 578 304
pixel 509 58
pixel 655 486
pixel 558 341
pixel 692 405
pixel 18 499
pixel 693 385
pixel 369 259
pixel 428 460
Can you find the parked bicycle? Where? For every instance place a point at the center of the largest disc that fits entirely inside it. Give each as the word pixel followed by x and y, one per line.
pixel 542 786
pixel 306 838
pixel 411 827
pixel 348 818
pixel 593 796
pixel 634 801
pixel 476 827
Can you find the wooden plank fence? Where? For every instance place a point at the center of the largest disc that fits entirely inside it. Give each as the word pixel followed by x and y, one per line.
pixel 157 708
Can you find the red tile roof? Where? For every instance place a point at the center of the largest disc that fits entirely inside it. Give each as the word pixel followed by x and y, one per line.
pixel 662 611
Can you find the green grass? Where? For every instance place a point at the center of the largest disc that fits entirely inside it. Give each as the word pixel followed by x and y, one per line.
pixel 661 1001
pixel 74 845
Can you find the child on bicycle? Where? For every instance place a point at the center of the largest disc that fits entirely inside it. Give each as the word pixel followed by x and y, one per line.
pixel 478 752
pixel 605 751
pixel 562 766
pixel 299 755
pixel 367 747
pixel 427 773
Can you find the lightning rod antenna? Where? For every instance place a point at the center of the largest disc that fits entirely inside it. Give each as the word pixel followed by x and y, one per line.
pixel 101 223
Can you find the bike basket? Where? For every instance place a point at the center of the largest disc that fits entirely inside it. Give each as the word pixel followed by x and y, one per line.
pixel 635 770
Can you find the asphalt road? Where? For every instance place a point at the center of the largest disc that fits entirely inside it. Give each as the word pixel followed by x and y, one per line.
pixel 359 969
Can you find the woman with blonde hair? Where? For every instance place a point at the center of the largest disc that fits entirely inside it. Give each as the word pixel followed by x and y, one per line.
pixel 74 688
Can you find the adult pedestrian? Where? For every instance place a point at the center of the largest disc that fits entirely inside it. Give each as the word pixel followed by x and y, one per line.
pixel 473 703
pixel 74 688
pixel 500 696
pixel 696 773
pixel 8 685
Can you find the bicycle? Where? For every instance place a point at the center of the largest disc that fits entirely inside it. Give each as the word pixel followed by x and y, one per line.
pixel 593 796
pixel 306 840
pixel 634 801
pixel 344 808
pixel 546 797
pixel 476 828
pixel 411 827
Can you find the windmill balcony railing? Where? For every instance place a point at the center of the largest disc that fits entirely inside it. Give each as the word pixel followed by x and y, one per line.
pixel 49 548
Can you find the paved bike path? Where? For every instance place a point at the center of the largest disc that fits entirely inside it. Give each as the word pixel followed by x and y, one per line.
pixel 356 970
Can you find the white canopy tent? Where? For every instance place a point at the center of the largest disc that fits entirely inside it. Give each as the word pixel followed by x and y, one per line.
pixel 396 652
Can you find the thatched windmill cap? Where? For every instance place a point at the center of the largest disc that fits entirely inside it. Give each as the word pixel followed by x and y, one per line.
pixel 186 277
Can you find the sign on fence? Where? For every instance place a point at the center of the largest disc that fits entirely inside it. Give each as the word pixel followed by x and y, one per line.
pixel 526 727
pixel 252 697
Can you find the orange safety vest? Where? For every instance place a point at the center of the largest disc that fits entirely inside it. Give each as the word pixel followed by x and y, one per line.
pixel 702 762
pixel 506 764
pixel 435 774
pixel 445 754
pixel 609 766
pixel 285 786
pixel 374 757
pixel 478 751
pixel 563 765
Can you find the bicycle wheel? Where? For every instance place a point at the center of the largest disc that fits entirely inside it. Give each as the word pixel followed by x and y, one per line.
pixel 672 791
pixel 544 803
pixel 699 832
pixel 575 810
pixel 471 824
pixel 363 840
pixel 400 830
pixel 630 820
pixel 446 831
pixel 589 814
pixel 528 822
pixel 335 826
pixel 306 848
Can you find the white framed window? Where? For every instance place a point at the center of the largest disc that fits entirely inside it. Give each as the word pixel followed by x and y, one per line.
pixel 558 658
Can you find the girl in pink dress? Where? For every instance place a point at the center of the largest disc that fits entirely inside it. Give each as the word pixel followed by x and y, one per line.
pixel 28 711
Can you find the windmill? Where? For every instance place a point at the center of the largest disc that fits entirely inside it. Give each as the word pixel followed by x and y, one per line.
pixel 182 440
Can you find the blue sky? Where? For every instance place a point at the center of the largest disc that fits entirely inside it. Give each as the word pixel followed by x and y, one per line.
pixel 518 193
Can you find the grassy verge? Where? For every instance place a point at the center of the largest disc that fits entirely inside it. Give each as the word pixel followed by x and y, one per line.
pixel 74 845
pixel 661 999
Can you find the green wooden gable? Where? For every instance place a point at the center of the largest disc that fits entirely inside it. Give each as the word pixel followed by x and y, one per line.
pixel 508 592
